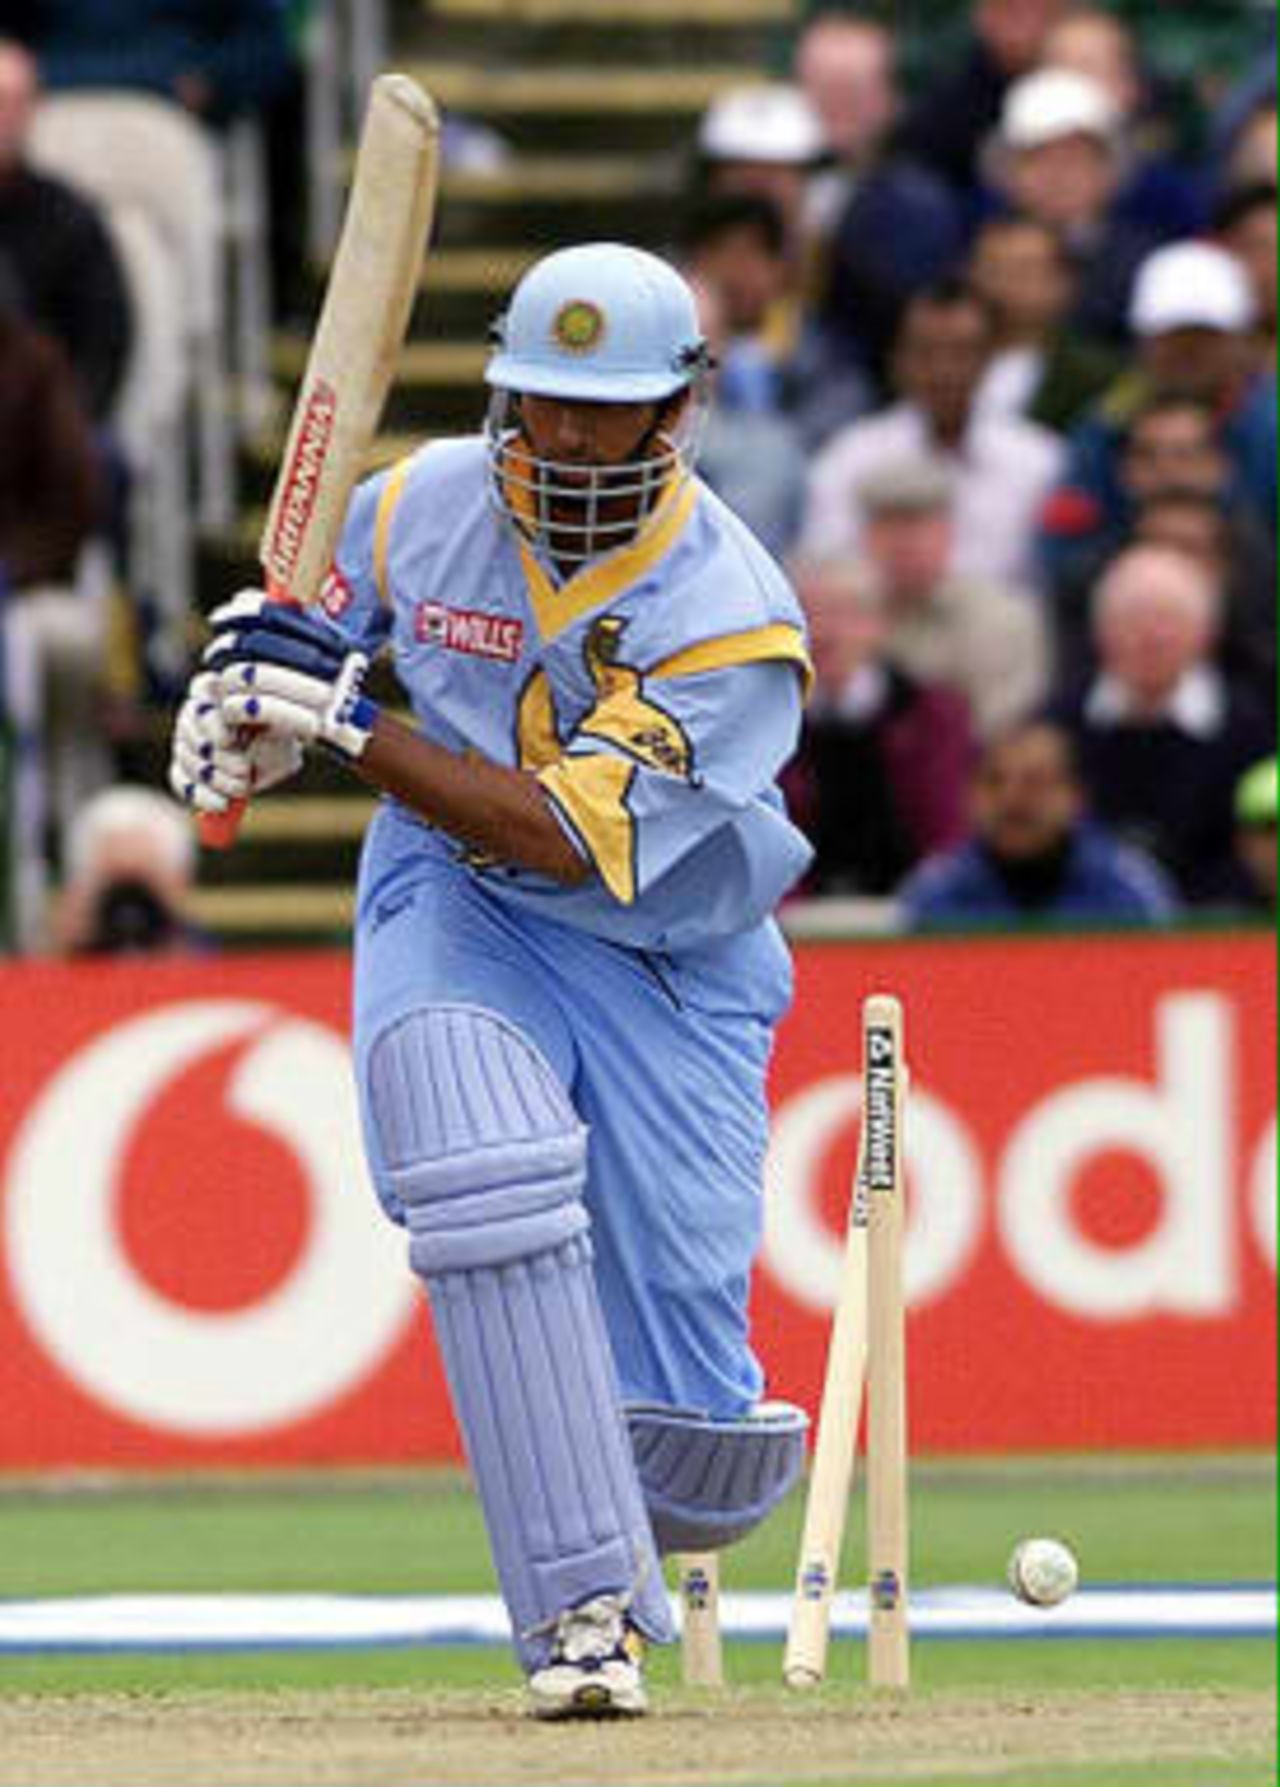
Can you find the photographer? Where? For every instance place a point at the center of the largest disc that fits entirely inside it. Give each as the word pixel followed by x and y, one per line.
pixel 130 867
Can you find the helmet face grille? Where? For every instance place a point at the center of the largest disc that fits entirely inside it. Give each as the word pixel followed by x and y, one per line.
pixel 573 513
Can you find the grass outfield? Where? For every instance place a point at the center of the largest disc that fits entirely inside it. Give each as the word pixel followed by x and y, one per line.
pixel 1163 1713
pixel 1139 1519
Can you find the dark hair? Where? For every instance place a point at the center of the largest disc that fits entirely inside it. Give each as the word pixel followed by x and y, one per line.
pixel 1176 498
pixel 1238 201
pixel 1015 730
pixel 1169 404
pixel 1006 222
pixel 952 293
pixel 717 215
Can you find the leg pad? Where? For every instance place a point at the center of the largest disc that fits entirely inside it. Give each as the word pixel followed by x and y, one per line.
pixel 707 1483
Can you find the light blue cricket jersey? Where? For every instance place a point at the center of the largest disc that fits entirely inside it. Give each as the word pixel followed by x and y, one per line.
pixel 656 694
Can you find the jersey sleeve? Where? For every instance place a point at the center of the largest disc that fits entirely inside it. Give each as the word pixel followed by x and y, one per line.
pixel 664 762
pixel 351 600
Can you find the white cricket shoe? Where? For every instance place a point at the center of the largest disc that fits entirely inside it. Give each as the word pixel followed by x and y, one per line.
pixel 595 1669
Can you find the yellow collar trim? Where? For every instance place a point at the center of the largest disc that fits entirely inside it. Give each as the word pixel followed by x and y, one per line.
pixel 605 579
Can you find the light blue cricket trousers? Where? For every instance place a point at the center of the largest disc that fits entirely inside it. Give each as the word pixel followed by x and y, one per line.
pixel 663 1058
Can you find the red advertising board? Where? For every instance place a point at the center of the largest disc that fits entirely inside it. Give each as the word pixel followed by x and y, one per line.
pixel 192 1270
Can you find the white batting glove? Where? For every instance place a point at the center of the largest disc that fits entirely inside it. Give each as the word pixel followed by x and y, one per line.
pixel 213 765
pixel 282 670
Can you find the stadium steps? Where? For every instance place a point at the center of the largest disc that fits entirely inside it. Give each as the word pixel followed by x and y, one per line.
pixel 596 103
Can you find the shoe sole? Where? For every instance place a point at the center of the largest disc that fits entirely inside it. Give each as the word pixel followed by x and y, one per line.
pixel 591 1702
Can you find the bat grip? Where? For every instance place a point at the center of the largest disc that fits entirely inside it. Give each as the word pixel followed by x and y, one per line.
pixel 218 831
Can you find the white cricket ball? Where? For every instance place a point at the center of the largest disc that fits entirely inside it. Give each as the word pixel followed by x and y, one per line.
pixel 1043 1572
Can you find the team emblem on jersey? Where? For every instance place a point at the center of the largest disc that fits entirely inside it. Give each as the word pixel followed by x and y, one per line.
pixel 470 631
pixel 578 327
pixel 626 713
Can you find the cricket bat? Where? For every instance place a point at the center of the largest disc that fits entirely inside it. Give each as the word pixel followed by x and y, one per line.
pixel 353 354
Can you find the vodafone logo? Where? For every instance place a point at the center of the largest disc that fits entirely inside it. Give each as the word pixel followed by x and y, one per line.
pixel 319 1330
pixel 1180 1125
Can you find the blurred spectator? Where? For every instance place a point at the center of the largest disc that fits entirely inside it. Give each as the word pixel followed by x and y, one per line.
pixel 878 780
pixel 51 495
pixel 1002 466
pixel 1175 487
pixel 1239 557
pixel 736 242
pixel 1193 313
pixel 956 111
pixel 1163 735
pixel 215 58
pixel 131 863
pixel 1245 225
pixel 1040 367
pixel 1253 150
pixel 66 271
pixel 773 356
pixel 1033 854
pixel 1058 158
pixel 752 457
pixel 1157 192
pixel 1255 815
pixel 985 642
pixel 888 226
pixel 765 139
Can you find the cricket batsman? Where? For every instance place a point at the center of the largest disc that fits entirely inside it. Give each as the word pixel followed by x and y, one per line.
pixel 567 972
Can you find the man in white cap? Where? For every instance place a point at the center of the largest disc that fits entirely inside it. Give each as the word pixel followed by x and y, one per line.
pixel 765 138
pixel 1193 314
pixel 567 972
pixel 1057 158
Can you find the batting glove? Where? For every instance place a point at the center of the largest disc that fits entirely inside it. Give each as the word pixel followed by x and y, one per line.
pixel 290 675
pixel 212 765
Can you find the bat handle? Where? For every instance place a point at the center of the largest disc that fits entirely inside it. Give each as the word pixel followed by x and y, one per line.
pixel 217 831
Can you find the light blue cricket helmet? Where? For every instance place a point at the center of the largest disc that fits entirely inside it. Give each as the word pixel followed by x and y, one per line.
pixel 602 323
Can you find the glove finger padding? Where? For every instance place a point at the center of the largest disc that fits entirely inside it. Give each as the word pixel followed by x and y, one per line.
pixel 322 658
pixel 330 710
pixel 280 716
pixel 226 772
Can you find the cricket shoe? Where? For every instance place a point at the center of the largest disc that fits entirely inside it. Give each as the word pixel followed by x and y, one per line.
pixel 595 1670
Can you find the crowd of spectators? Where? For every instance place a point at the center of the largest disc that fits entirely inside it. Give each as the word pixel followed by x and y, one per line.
pixel 994 319
pixel 997 345
pixel 117 393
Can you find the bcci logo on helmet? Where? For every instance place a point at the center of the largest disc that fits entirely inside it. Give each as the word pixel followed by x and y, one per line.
pixel 578 326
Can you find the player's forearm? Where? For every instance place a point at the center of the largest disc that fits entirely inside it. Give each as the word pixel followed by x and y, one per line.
pixel 500 811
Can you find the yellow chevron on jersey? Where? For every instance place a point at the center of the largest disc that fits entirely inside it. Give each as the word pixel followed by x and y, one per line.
pixel 591 793
pixel 601 581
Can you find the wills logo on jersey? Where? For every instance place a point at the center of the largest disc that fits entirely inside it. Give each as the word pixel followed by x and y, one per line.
pixel 467 630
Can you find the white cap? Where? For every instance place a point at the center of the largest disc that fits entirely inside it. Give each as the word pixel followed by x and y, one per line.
pixel 1051 103
pixel 772 122
pixel 1191 285
pixel 601 322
